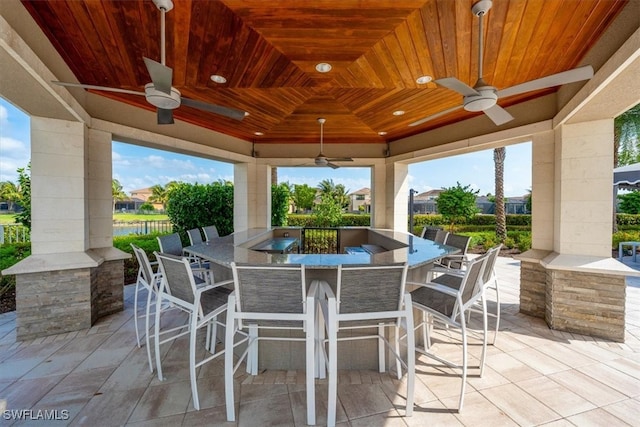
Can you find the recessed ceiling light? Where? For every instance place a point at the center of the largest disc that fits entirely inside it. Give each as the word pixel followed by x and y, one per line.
pixel 218 78
pixel 423 79
pixel 398 113
pixel 258 133
pixel 323 67
pixel 382 133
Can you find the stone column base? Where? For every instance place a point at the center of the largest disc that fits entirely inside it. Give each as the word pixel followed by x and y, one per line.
pixel 53 302
pixel 585 295
pixel 58 293
pixel 586 303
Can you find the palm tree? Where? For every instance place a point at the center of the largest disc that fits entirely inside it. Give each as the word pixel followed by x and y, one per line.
pixel 626 137
pixel 338 192
pixel 159 194
pixel 117 193
pixel 499 155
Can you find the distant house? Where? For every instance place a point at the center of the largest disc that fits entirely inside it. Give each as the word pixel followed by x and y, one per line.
pixel 128 205
pixel 144 194
pixel 425 203
pixel 360 201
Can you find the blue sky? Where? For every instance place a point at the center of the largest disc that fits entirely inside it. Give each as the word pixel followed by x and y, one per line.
pixel 140 167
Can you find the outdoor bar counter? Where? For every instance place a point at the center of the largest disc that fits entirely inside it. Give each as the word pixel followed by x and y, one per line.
pixel 390 247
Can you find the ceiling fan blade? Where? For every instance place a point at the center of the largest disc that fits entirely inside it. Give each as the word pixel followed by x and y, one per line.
pixel 570 76
pixel 498 115
pixel 212 108
pixel 165 116
pixel 340 159
pixel 435 116
pixel 332 166
pixel 104 88
pixel 456 85
pixel 161 75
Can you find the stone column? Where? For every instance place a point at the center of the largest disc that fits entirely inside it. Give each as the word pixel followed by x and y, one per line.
pixel 572 281
pixel 252 196
pixel 533 277
pixel 64 284
pixel 390 195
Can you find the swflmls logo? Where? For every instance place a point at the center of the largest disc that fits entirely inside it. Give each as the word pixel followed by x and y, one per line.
pixel 36 414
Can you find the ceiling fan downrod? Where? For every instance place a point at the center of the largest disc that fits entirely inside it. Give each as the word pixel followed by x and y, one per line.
pixel 164 6
pixel 486 96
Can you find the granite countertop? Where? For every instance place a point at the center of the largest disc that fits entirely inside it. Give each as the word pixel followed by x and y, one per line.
pixel 416 251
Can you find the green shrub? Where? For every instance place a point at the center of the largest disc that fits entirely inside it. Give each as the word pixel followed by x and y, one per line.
pixel 11 254
pixel 148 243
pixel 197 205
pixel 624 236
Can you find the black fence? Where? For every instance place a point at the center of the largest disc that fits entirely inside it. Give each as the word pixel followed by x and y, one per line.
pixel 320 240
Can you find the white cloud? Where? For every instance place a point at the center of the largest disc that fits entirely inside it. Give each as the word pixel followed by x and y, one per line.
pixel 13 148
pixel 4 115
pixel 155 161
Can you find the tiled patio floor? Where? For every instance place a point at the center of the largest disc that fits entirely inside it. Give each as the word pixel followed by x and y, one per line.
pixel 534 376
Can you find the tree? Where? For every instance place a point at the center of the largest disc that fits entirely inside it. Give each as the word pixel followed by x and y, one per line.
pixel 630 202
pixel 280 197
pixel 327 213
pixel 303 197
pixel 24 184
pixel 10 192
pixel 117 193
pixel 499 155
pixel 338 192
pixel 529 200
pixel 160 194
pixel 457 204
pixel 626 137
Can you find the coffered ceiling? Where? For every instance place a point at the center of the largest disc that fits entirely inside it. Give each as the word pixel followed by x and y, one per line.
pixel 268 52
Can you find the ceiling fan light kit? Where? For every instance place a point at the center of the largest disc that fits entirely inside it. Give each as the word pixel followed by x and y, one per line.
pixel 483 97
pixel 160 93
pixel 160 99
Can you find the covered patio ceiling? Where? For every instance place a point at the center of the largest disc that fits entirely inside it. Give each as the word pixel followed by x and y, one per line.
pixel 268 52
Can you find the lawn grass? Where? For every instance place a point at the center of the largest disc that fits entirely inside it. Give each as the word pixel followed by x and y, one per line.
pixel 7 218
pixel 139 217
pixel 10 218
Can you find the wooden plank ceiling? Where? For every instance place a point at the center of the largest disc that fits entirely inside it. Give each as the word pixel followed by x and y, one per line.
pixel 268 50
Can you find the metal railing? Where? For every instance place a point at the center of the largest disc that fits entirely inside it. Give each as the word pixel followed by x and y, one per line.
pixel 17 233
pixel 320 240
pixel 14 233
pixel 141 227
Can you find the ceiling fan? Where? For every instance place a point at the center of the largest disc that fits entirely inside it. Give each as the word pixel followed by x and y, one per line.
pixel 160 93
pixel 321 159
pixel 484 97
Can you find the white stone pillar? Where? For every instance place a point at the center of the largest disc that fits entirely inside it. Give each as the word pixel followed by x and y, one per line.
pixel 252 196
pixel 100 190
pixel 390 196
pixel 542 190
pixel 74 275
pixel 58 186
pixel 583 184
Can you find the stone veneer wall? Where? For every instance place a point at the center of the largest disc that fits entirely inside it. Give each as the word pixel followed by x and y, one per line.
pixel 109 287
pixel 533 283
pixel 586 303
pixel 52 302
